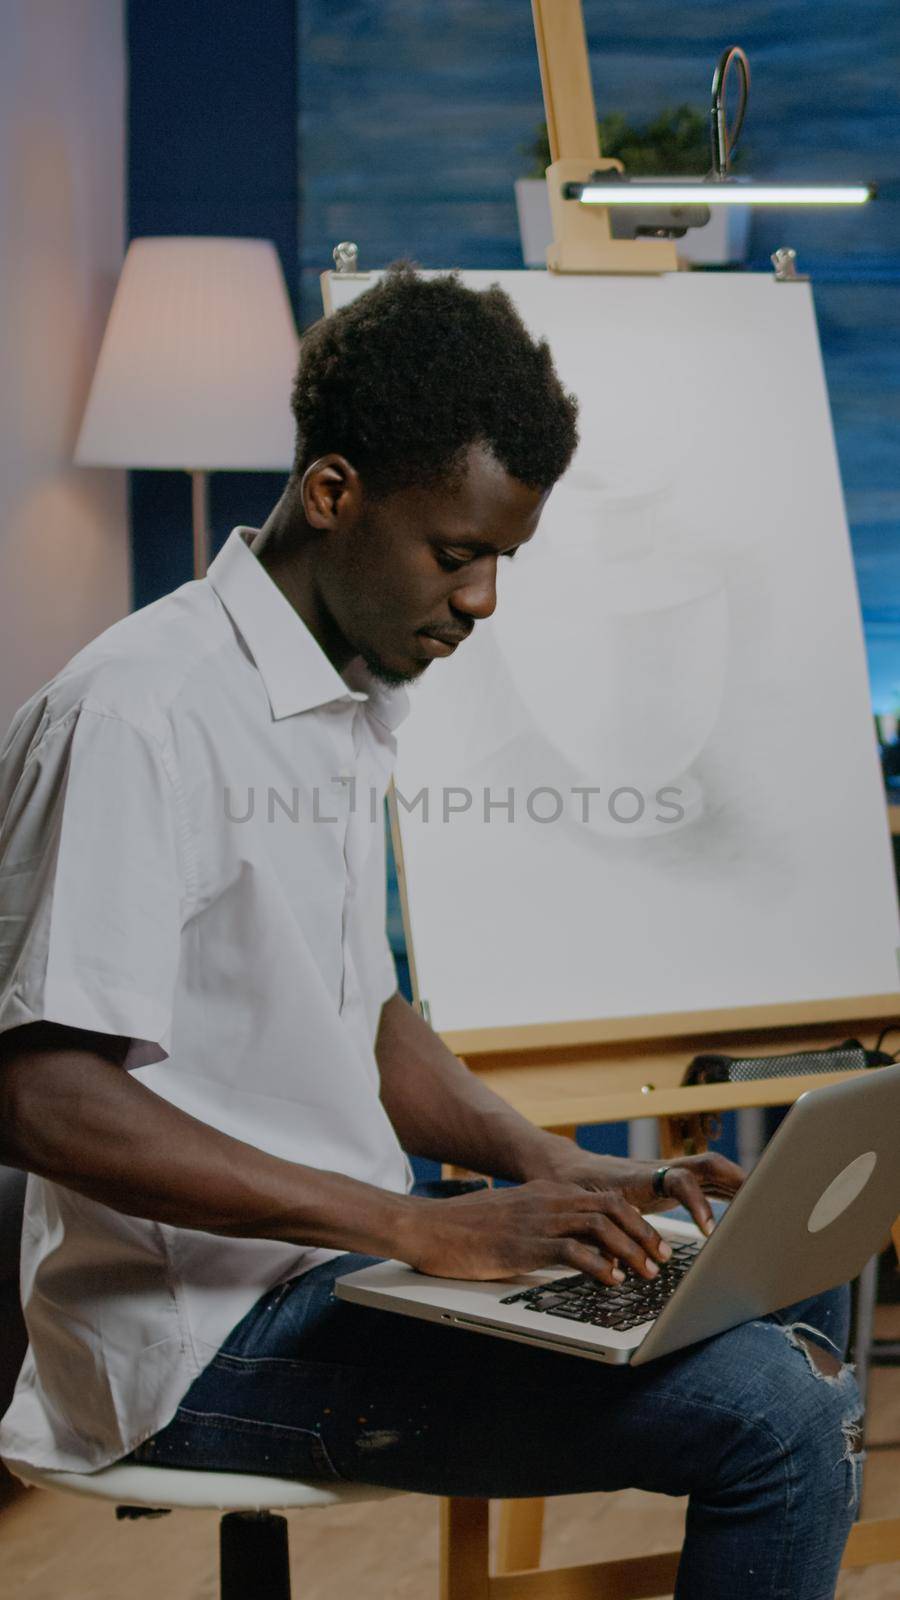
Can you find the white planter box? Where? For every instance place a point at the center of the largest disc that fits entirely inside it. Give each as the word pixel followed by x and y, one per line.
pixel 725 237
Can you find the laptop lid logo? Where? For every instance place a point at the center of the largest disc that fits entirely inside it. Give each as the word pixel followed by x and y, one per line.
pixel 842 1191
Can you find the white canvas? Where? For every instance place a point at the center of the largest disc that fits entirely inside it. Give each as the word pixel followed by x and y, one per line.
pixel 672 691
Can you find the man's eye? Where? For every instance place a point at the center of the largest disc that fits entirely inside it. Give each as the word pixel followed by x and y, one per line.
pixel 452 563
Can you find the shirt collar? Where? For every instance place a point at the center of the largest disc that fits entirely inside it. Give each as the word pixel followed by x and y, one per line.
pixel 295 670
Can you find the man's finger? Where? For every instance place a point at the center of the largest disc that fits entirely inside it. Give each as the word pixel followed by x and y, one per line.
pixel 589 1206
pixel 575 1253
pixel 602 1202
pixel 629 1219
pixel 682 1185
pixel 716 1174
pixel 613 1240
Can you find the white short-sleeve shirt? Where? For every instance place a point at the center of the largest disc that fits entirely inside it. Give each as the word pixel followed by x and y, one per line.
pixel 192 855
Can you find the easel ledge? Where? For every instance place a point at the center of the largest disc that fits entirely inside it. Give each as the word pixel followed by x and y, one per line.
pixel 561 1082
pixel 734 1020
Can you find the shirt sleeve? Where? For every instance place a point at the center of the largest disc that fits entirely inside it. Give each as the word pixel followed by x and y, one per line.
pixel 94 882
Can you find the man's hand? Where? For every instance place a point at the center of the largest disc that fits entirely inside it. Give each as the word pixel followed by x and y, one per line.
pixel 572 1206
pixel 688 1179
pixel 588 1216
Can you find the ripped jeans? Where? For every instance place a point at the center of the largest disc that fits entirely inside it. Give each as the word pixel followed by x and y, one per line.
pixel 758 1426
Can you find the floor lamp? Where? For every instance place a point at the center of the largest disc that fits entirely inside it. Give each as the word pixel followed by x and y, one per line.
pixel 196 367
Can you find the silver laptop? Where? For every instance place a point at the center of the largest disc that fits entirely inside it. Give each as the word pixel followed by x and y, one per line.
pixel 818 1204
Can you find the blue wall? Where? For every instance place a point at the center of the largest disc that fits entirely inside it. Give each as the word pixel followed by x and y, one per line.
pixel 212 149
pixel 412 115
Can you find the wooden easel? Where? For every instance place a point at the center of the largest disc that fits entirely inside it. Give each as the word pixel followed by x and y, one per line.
pixel 601 1071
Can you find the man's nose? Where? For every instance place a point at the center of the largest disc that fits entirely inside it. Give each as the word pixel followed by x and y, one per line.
pixel 477 596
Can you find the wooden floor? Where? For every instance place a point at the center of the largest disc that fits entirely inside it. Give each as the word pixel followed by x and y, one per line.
pixel 55 1547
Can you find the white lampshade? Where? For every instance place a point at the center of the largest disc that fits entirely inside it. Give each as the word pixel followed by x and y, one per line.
pixel 197 361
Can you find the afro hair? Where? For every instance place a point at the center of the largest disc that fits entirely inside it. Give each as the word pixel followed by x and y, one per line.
pixel 406 378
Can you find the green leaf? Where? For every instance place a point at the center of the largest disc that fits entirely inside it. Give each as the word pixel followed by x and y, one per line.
pixel 675 144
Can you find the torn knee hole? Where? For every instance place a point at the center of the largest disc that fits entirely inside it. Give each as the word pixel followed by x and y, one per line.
pixel 824 1361
pixel 852 1431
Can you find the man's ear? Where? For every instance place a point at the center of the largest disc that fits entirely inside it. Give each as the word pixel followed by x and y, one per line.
pixel 330 491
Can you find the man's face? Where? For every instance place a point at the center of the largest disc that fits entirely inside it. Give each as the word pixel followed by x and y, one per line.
pixel 411 573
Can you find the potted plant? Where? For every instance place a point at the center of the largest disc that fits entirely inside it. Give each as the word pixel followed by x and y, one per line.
pixel 674 145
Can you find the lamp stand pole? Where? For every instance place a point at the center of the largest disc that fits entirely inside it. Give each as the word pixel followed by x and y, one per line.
pixel 200 518
pixel 581 243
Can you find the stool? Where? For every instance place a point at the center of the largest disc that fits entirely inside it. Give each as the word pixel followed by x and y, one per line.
pixel 253 1543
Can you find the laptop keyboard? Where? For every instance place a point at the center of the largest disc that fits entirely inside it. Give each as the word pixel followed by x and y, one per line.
pixel 620 1306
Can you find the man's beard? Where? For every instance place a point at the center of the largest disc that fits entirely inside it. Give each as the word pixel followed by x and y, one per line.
pixel 387 675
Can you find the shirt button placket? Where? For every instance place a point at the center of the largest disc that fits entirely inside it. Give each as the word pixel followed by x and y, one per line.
pixel 354 841
pixel 348 776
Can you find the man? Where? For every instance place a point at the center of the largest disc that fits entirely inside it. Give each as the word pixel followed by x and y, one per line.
pixel 207 1066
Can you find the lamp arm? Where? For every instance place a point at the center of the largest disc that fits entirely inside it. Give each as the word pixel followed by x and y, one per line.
pixel 723 138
